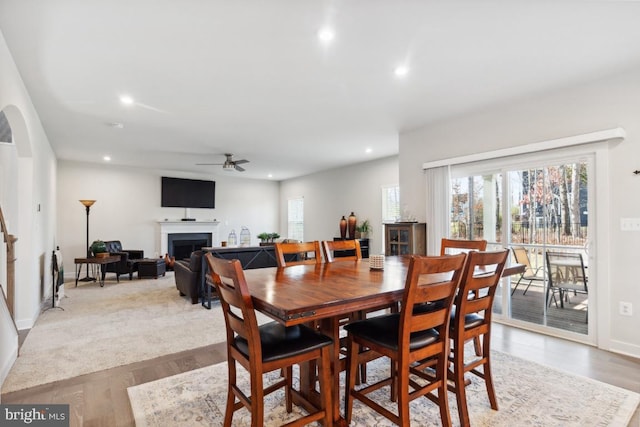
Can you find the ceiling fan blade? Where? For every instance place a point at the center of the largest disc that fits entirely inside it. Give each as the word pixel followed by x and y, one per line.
pixel 239 168
pixel 239 162
pixel 208 164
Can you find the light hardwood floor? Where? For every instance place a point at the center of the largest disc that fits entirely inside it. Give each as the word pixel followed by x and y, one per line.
pixel 100 399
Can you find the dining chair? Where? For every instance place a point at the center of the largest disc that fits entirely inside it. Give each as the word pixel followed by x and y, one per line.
pixel 566 274
pixel 531 274
pixel 265 348
pixel 329 248
pixel 407 337
pixel 288 254
pixel 471 320
pixel 454 246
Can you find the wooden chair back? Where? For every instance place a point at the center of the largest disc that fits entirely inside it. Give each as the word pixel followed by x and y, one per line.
pixel 453 246
pixel 408 337
pixel 283 347
pixel 330 246
pixel 235 299
pixel 303 253
pixel 431 282
pixel 472 321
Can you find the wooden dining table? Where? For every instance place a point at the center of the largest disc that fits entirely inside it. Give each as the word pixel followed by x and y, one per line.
pixel 326 293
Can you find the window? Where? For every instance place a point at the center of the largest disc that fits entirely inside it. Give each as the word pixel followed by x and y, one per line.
pixel 295 219
pixel 390 203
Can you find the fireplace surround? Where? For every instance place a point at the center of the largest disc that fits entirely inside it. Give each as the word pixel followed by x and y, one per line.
pixel 198 229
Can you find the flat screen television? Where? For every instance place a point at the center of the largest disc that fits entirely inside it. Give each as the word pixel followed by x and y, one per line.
pixel 188 193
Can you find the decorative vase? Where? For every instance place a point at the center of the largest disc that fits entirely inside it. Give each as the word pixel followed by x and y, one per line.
pixel 351 225
pixel 343 228
pixel 169 261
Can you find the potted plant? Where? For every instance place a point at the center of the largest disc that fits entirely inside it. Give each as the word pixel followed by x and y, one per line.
pixel 267 238
pixel 363 229
pixel 273 237
pixel 99 248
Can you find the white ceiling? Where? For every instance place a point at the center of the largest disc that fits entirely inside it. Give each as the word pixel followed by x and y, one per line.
pixel 252 78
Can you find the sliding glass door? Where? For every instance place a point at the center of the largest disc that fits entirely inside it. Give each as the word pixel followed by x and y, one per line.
pixel 537 208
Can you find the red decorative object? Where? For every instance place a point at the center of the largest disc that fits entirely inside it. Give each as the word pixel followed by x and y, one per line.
pixel 343 228
pixel 352 226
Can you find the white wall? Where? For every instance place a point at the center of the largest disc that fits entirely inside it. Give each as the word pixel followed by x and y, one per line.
pixel 603 104
pixel 127 207
pixel 27 196
pixel 331 194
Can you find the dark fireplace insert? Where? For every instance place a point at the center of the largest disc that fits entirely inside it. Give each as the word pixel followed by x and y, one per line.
pixel 180 245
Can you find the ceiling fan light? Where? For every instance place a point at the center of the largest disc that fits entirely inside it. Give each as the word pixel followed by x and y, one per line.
pixel 228 167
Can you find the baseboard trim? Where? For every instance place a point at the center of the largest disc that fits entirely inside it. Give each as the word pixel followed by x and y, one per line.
pixel 6 368
pixel 625 348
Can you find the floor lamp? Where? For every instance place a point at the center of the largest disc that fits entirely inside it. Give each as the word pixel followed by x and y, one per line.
pixel 87 204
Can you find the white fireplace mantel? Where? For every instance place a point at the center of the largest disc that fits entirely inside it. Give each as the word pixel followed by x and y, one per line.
pixel 171 227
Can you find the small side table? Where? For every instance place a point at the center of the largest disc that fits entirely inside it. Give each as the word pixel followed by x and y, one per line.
pixel 98 261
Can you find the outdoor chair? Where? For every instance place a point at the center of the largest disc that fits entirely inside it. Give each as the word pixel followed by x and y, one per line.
pixel 566 274
pixel 531 274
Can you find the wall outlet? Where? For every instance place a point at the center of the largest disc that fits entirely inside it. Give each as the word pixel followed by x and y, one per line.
pixel 626 309
pixel 630 224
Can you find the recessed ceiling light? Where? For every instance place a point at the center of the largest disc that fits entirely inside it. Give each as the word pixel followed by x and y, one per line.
pixel 368 150
pixel 126 100
pixel 326 35
pixel 270 175
pixel 107 158
pixel 401 71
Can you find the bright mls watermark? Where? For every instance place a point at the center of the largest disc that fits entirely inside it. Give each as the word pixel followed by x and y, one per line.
pixel 34 415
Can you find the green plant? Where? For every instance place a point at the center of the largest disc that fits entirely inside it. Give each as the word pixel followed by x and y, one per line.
pixel 98 246
pixel 364 227
pixel 273 236
pixel 268 237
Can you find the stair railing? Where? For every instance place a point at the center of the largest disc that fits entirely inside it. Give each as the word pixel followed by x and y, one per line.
pixel 10 241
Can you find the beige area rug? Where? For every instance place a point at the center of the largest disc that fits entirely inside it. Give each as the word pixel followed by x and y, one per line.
pixel 529 394
pixel 118 324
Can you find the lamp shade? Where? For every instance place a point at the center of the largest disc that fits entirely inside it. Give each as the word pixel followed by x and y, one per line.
pixel 87 203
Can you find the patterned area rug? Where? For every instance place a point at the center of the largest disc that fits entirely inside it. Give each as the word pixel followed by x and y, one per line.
pixel 529 394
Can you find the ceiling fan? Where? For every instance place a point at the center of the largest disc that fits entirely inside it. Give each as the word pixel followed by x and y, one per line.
pixel 229 165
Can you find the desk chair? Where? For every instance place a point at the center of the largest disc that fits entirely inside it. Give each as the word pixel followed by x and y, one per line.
pixel 265 348
pixel 408 337
pixel 298 253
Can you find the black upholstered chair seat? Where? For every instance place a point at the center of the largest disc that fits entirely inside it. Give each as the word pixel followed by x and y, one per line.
pixel 279 342
pixel 470 320
pixel 383 330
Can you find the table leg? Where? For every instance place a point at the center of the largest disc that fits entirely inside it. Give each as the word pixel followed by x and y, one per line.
pixel 331 328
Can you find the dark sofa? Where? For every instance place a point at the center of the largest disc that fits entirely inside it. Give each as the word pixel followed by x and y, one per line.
pixel 128 259
pixel 188 275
